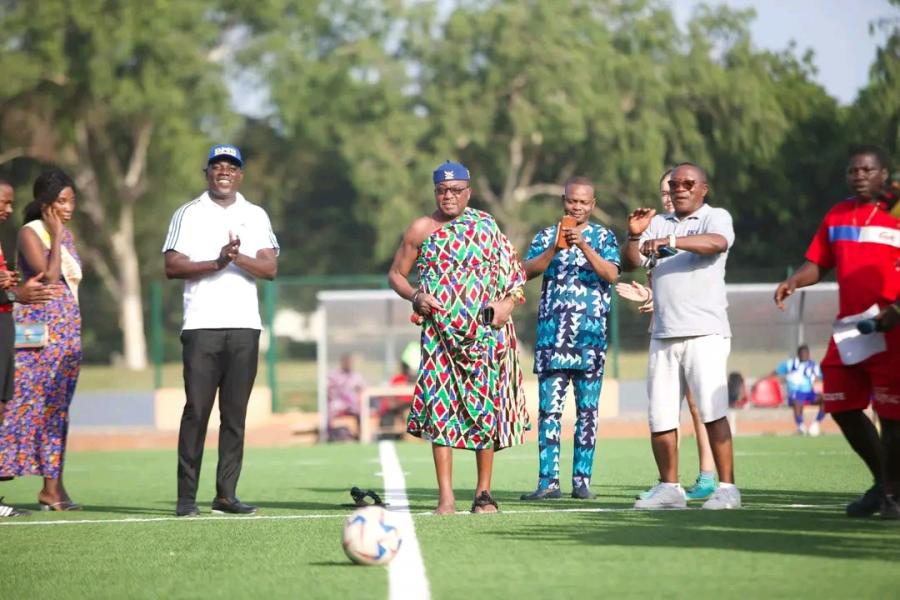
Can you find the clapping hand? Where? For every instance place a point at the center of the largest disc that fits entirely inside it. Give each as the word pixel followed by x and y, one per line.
pixel 636 292
pixel 633 291
pixel 639 220
pixel 229 251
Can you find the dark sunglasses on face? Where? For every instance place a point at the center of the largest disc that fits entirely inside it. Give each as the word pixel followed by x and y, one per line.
pixel 453 191
pixel 687 184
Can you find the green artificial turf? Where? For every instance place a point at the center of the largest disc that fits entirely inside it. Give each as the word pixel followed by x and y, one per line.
pixel 791 539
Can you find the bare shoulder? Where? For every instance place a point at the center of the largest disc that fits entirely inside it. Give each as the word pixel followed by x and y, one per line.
pixel 419 230
pixel 27 233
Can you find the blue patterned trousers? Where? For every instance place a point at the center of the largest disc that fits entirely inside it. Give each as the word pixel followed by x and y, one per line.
pixel 553 387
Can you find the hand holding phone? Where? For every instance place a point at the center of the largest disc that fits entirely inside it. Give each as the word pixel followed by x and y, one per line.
pixel 567 222
pixel 487 315
pixel 666 251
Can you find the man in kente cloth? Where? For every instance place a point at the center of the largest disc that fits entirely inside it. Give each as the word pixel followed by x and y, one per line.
pixel 469 389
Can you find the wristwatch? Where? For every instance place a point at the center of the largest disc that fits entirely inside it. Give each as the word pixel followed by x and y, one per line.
pixel 11 295
pixel 672 241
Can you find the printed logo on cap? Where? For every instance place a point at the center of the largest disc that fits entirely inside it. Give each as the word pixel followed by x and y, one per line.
pixel 225 150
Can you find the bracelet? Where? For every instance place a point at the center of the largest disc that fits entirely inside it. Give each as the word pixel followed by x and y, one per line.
pixel 415 296
pixel 634 238
pixel 672 241
pixel 517 296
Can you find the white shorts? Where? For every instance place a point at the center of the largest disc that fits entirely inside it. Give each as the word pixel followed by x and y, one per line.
pixel 676 364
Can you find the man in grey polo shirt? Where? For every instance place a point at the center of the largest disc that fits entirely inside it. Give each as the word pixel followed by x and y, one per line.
pixel 690 334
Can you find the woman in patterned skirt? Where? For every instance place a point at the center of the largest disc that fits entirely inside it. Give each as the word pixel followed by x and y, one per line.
pixel 36 420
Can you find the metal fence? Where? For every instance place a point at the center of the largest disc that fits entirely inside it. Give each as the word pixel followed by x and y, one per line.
pixel 311 321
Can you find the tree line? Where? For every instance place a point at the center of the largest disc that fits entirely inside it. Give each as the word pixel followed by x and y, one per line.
pixel 343 107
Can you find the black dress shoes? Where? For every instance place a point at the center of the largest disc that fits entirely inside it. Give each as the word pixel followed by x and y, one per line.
pixel 187 510
pixel 232 506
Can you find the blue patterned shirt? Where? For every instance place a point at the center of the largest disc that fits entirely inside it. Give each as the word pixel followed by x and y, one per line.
pixel 571 330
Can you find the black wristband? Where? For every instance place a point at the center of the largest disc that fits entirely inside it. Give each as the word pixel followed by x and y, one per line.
pixel 634 238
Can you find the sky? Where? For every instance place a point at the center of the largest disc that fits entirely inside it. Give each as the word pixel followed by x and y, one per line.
pixel 836 30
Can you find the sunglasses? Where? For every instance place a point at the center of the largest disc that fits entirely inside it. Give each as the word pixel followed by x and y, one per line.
pixel 453 191
pixel 676 184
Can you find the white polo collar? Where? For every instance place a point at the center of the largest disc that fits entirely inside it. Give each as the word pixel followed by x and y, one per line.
pixel 694 215
pixel 206 199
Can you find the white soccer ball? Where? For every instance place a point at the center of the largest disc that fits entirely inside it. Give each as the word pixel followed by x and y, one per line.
pixel 371 537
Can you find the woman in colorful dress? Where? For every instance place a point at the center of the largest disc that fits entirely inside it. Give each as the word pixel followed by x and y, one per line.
pixel 36 420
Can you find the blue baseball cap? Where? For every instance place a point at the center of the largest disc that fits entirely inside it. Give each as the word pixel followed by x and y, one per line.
pixel 449 171
pixel 225 150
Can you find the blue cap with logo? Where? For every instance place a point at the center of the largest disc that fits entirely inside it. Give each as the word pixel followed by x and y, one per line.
pixel 449 171
pixel 226 151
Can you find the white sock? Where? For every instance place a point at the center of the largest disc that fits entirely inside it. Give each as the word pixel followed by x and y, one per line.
pixel 726 485
pixel 667 484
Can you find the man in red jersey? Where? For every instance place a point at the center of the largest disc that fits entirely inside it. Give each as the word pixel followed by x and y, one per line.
pixel 861 240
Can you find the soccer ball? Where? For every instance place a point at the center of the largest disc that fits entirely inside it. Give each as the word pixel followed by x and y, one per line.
pixel 370 536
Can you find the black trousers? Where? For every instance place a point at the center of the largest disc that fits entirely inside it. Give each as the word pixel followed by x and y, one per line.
pixel 222 360
pixel 7 357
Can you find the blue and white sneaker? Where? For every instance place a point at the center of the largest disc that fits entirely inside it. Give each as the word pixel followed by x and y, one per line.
pixel 702 489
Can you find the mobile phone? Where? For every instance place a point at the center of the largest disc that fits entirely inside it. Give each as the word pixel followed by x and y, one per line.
pixel 566 222
pixel 666 251
pixel 487 315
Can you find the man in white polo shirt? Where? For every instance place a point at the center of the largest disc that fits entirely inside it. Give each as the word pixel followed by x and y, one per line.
pixel 690 335
pixel 220 244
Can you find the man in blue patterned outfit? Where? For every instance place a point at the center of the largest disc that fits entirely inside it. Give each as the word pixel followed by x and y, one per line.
pixel 578 264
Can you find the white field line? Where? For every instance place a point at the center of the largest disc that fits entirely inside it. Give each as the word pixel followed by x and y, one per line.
pixel 406 573
pixel 15 522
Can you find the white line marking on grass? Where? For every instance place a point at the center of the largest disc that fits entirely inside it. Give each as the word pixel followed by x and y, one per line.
pixel 406 573
pixel 395 504
pixel 222 519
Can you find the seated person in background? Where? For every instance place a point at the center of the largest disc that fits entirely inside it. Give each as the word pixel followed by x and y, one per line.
pixel 800 374
pixel 344 392
pixel 390 407
pixel 737 391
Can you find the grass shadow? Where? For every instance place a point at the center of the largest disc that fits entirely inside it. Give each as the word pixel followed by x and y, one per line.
pixel 767 524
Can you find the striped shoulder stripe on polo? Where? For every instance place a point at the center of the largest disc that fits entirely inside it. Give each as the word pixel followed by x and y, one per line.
pixel 175 227
pixel 273 240
pixel 271 234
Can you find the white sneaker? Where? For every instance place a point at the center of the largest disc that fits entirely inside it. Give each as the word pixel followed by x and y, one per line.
pixel 724 498
pixel 663 495
pixel 814 429
pixel 801 429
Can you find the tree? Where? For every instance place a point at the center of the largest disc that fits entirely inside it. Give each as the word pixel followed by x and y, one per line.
pixel 340 135
pixel 120 93
pixel 875 116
